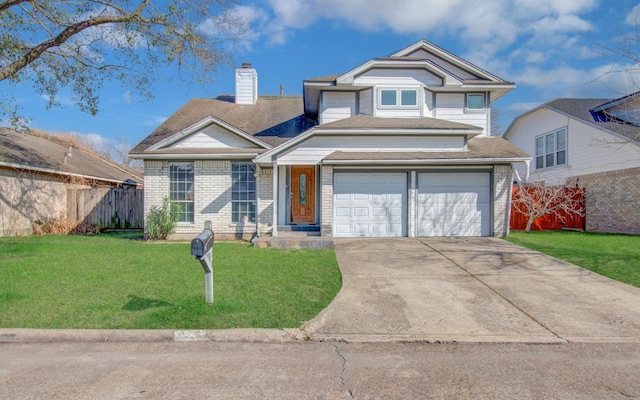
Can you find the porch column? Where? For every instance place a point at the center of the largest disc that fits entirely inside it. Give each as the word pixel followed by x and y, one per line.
pixel 274 231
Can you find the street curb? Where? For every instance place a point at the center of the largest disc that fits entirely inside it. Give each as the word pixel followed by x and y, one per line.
pixel 160 335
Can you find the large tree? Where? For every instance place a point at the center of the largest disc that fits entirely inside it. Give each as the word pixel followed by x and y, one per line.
pixel 80 44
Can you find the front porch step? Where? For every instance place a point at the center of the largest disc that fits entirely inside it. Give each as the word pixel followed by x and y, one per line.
pixel 283 242
pixel 298 231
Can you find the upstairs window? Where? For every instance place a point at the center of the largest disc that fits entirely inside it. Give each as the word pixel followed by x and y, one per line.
pixel 475 101
pixel 551 149
pixel 399 98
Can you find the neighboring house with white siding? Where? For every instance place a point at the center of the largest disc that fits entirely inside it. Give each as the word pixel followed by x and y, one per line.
pixel 398 146
pixel 593 143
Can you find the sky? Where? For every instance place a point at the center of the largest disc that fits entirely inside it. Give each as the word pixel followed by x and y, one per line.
pixel 549 48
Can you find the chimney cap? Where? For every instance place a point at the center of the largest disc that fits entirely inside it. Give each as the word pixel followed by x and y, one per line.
pixel 246 65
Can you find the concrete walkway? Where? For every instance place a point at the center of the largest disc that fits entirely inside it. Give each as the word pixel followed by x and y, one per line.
pixel 471 290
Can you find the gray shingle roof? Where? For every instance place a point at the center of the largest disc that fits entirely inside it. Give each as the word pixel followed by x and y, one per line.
pixel 478 148
pixel 268 112
pixel 579 108
pixel 34 152
pixel 362 121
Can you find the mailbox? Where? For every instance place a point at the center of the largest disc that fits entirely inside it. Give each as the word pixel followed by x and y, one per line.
pixel 202 244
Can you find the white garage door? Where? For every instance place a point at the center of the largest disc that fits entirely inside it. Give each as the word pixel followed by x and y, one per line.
pixel 369 204
pixel 454 204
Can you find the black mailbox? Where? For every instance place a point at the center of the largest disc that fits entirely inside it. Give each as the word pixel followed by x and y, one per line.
pixel 202 244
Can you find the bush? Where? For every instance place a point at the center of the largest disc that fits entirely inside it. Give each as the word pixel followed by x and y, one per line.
pixel 62 226
pixel 162 219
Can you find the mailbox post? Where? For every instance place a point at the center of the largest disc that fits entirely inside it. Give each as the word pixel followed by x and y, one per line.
pixel 202 249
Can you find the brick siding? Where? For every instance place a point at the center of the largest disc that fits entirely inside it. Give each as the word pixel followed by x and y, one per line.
pixel 612 201
pixel 501 195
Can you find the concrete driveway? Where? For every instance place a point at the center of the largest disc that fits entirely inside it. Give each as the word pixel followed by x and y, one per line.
pixel 471 290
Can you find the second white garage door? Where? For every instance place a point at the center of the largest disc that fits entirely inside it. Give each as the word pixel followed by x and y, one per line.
pixel 370 204
pixel 454 204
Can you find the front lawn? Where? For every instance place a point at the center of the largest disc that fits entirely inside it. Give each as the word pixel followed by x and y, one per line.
pixel 614 256
pixel 106 282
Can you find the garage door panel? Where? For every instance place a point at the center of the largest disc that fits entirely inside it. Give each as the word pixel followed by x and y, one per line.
pixel 454 204
pixel 376 202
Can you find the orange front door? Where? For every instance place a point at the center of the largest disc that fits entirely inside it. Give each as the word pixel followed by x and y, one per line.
pixel 303 194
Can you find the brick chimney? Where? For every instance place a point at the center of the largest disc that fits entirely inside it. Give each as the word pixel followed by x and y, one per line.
pixel 246 84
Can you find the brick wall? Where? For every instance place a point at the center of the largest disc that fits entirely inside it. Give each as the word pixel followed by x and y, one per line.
pixel 265 213
pixel 501 194
pixel 326 193
pixel 212 202
pixel 613 201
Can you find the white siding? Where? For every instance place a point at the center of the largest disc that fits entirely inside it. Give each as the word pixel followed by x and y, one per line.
pixel 429 108
pixel 589 149
pixel 459 72
pixel 315 149
pixel 337 106
pixel 451 107
pixel 213 137
pixel 393 76
pixel 246 86
pixel 366 102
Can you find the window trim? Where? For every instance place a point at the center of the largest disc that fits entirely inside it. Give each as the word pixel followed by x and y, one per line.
pixel 250 212
pixel 543 158
pixel 398 91
pixel 188 194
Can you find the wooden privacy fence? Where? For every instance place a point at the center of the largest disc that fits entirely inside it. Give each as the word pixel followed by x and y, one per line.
pixel 110 208
pixel 550 222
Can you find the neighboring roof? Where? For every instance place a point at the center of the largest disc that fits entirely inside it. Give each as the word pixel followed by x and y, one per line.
pixel 478 149
pixel 581 109
pixel 253 119
pixel 30 152
pixel 362 121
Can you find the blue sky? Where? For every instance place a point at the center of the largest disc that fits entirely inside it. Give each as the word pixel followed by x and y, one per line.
pixel 549 48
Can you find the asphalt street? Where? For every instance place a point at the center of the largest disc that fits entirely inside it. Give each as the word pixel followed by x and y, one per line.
pixel 318 370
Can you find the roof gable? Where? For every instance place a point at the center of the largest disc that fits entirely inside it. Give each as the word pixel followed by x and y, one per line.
pixel 245 120
pixel 583 111
pixel 211 133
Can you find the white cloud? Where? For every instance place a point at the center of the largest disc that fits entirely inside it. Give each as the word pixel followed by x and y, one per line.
pixel 608 80
pixel 633 17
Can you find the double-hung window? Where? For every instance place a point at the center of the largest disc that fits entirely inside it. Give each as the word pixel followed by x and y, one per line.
pixel 399 98
pixel 181 189
pixel 551 149
pixel 243 192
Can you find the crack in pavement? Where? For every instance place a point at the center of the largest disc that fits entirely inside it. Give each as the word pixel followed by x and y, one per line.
pixel 342 369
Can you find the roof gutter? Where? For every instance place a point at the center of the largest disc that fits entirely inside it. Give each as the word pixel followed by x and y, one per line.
pixel 429 161
pixel 164 156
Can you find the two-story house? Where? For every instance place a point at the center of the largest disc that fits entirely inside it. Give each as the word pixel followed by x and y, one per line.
pixel 398 146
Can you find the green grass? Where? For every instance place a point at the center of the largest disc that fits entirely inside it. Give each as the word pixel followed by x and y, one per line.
pixel 614 256
pixel 106 282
